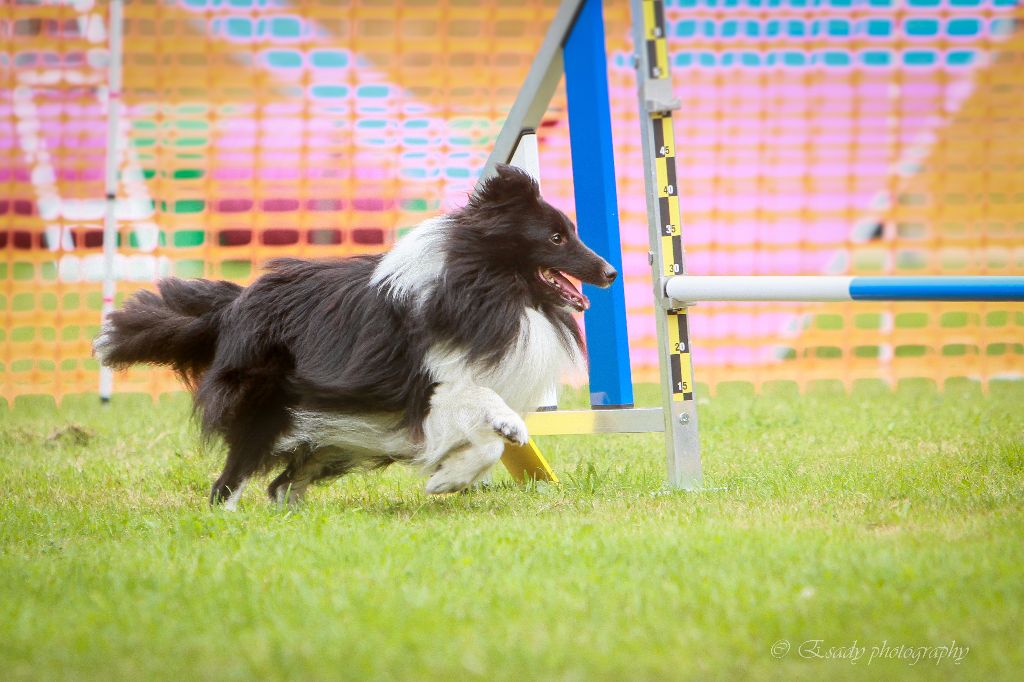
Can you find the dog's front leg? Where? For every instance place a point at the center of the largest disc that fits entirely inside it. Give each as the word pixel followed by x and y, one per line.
pixel 465 435
pixel 464 466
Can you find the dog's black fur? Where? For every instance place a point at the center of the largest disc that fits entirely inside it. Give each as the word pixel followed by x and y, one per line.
pixel 317 335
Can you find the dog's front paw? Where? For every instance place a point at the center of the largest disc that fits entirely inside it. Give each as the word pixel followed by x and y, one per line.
pixel 511 427
pixel 442 482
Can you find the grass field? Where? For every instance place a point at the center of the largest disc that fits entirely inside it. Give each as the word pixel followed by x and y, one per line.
pixel 869 520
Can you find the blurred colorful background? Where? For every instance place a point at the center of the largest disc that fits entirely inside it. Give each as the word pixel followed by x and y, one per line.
pixel 815 137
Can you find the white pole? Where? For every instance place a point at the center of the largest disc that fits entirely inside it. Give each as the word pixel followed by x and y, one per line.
pixel 527 157
pixel 693 288
pixel 112 163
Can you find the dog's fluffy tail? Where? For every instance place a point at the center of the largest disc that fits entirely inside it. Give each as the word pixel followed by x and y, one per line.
pixel 177 327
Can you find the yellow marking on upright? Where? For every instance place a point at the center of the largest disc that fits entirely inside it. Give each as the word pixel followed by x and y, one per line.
pixel 673 213
pixel 666 254
pixel 649 24
pixel 673 335
pixel 661 167
pixel 668 137
pixel 685 371
pixel 662 55
pixel 685 368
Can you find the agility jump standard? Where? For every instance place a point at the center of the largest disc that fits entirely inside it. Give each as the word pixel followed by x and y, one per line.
pixel 574 44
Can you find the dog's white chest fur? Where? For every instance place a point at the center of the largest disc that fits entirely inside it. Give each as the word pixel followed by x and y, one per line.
pixel 537 359
pixel 533 364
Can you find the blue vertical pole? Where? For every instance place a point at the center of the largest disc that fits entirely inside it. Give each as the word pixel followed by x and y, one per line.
pixel 593 170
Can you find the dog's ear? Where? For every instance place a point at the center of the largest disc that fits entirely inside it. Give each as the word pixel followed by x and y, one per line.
pixel 509 185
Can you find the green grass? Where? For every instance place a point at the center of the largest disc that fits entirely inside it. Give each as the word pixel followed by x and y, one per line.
pixel 873 518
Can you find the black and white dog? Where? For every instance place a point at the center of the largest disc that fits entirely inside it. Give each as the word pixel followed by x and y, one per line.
pixel 429 354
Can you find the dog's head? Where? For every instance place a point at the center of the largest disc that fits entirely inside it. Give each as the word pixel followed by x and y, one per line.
pixel 520 230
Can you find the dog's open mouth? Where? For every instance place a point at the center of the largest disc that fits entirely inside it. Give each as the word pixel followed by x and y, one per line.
pixel 566 290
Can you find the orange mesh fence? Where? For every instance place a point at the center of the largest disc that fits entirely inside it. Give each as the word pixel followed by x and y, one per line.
pixel 879 137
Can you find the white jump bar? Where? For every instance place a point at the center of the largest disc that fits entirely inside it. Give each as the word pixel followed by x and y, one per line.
pixel 694 288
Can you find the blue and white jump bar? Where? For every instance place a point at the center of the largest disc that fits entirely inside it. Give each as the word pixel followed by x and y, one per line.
pixel 694 288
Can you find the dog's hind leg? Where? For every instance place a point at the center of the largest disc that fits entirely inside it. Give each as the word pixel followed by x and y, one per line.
pixel 249 440
pixel 290 485
pixel 228 487
pixel 249 407
pixel 231 504
pixel 328 462
pixel 245 398
pixel 285 489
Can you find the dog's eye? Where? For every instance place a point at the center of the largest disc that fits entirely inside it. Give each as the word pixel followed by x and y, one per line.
pixel 556 238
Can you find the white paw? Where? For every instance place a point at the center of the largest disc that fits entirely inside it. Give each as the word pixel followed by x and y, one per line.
pixel 231 504
pixel 447 480
pixel 511 427
pixel 289 494
pixel 463 467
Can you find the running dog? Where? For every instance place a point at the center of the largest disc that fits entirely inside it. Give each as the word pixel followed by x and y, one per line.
pixel 429 354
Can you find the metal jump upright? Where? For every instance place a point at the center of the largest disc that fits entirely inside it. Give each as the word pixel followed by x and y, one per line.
pixel 667 259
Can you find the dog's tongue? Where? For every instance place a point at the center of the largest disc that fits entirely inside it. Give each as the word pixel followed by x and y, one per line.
pixel 571 293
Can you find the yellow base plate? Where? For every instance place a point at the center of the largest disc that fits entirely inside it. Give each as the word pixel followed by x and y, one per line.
pixel 525 462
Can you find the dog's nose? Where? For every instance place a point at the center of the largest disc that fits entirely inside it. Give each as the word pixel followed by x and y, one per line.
pixel 610 274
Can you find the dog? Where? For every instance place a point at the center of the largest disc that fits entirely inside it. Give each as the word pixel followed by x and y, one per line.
pixel 429 354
